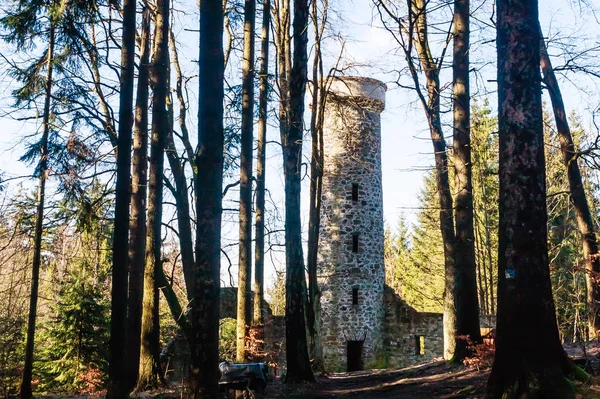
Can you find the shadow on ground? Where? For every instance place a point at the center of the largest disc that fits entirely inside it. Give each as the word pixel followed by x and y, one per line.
pixel 426 381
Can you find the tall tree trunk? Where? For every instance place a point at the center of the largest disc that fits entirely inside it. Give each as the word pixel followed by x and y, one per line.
pixel 585 222
pixel 530 360
pixel 261 154
pixel 204 371
pixel 298 363
pixel 465 279
pixel 137 224
pixel 25 389
pixel 117 381
pixel 432 109
pixel 316 188
pixel 244 304
pixel 150 375
pixel 182 199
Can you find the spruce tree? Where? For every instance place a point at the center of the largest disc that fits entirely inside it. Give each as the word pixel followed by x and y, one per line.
pixel 58 26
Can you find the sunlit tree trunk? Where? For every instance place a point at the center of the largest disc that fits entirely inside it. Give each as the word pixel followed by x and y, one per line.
pixel 316 187
pixel 244 304
pixel 263 102
pixel 149 374
pixel 530 361
pixel 432 109
pixel 204 372
pixel 25 389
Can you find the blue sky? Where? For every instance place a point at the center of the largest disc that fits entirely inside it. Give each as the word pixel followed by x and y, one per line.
pixel 369 51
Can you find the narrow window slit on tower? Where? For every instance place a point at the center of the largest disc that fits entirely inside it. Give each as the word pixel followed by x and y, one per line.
pixel 355 243
pixel 419 345
pixel 355 296
pixel 354 191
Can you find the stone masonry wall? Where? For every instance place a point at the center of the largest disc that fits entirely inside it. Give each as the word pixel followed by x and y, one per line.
pixel 403 328
pixel 350 256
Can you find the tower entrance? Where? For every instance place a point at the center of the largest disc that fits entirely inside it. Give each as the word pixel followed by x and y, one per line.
pixel 354 352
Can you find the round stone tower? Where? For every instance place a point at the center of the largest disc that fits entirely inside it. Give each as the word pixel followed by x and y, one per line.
pixel 350 257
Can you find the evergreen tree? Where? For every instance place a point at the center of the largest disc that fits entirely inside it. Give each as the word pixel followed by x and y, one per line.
pixel 484 144
pixel 57 24
pixel 73 355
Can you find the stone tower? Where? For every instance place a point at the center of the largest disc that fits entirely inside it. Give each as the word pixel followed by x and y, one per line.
pixel 350 257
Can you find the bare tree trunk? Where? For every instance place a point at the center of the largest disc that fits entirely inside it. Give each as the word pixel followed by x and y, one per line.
pixel 263 102
pixel 137 223
pixel 530 360
pixel 204 371
pixel 25 389
pixel 117 381
pixel 465 279
pixel 244 305
pixel 298 363
pixel 316 188
pixel 181 194
pixel 432 109
pixel 585 222
pixel 150 375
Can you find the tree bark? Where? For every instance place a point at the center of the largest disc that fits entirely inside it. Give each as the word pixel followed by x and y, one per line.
pixel 432 110
pixel 150 375
pixel 25 389
pixel 117 381
pixel 204 372
pixel 263 102
pixel 465 278
pixel 244 304
pixel 585 221
pixel 137 223
pixel 316 188
pixel 298 363
pixel 530 360
pixel 181 194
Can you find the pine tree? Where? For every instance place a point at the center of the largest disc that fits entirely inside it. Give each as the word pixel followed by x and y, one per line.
pixel 74 342
pixel 23 25
pixel 484 143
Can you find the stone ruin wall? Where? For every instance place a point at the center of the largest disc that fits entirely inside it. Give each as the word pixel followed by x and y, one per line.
pixel 352 156
pixel 403 328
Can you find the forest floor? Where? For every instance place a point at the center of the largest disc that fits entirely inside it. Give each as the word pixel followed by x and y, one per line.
pixel 430 380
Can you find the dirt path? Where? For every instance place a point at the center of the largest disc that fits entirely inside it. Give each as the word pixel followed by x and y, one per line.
pixel 426 381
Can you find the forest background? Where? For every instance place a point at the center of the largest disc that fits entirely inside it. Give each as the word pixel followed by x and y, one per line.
pixel 361 46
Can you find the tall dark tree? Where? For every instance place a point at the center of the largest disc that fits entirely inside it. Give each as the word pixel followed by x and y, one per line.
pixel 261 158
pixel 585 222
pixel 204 372
pixel 117 383
pixel 149 374
pixel 530 360
pixel 244 305
pixel 137 224
pixel 25 390
pixel 298 362
pixel 465 278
